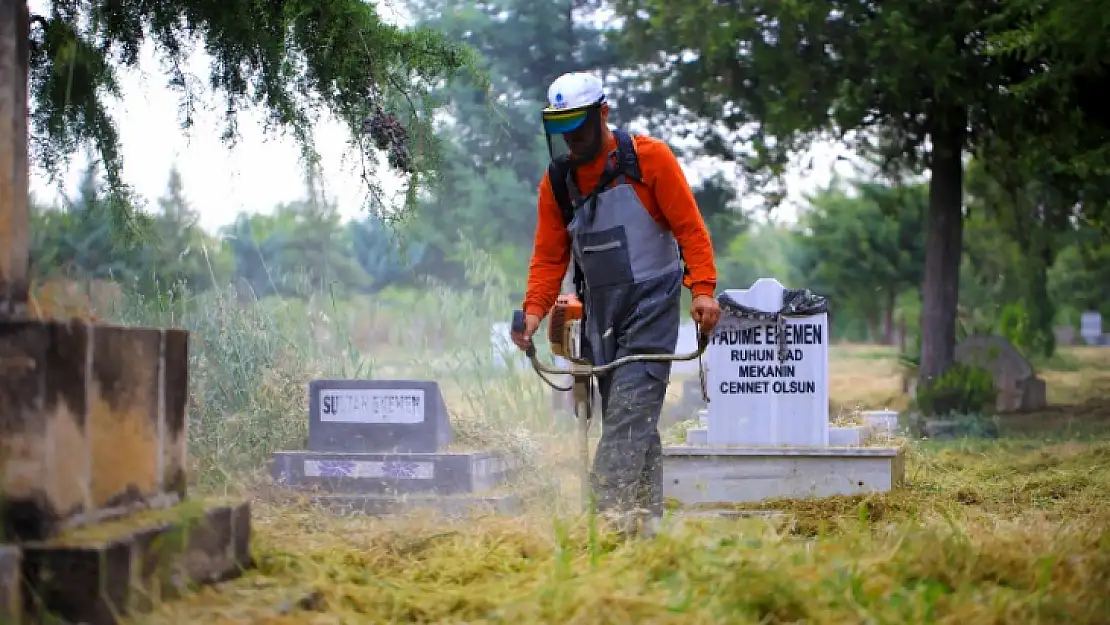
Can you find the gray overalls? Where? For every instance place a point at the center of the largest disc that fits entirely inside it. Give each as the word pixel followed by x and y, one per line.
pixel 633 280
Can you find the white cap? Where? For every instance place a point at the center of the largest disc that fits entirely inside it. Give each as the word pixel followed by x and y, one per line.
pixel 574 90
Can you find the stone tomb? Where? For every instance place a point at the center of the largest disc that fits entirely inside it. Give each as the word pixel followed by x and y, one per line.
pixel 93 452
pixel 1019 387
pixel 767 432
pixel 379 446
pixel 93 463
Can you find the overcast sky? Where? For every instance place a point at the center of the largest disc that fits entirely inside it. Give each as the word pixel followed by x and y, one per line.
pixel 261 170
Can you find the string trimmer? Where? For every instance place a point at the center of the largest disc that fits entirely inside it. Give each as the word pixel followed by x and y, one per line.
pixel 565 336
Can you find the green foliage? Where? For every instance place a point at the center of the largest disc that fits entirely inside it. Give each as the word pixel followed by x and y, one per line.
pixel 801 70
pixel 719 204
pixel 80 238
pixel 914 83
pixel 763 250
pixel 380 253
pixel 1079 280
pixel 295 58
pixel 1070 139
pixel 486 193
pixel 864 246
pixel 1014 326
pixel 962 388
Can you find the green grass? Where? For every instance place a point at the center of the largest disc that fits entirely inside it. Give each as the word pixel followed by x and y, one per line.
pixel 1006 531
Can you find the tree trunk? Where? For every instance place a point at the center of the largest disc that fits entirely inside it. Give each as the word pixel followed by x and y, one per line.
pixel 14 214
pixel 943 245
pixel 888 320
pixel 902 334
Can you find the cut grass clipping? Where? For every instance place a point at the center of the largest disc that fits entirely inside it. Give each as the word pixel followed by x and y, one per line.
pixel 1007 531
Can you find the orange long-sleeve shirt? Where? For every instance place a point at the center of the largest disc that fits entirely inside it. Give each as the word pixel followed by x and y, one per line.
pixel 664 193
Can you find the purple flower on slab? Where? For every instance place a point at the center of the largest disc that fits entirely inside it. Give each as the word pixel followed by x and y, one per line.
pixel 401 469
pixel 337 468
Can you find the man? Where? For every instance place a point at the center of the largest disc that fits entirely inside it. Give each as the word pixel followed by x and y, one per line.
pixel 625 239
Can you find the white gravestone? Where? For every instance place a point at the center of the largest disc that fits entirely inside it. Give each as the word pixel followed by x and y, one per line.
pixel 1090 327
pixel 755 398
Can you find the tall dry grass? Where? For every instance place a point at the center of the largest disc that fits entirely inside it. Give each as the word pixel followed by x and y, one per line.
pixel 250 364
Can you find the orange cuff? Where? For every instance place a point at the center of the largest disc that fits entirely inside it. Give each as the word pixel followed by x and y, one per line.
pixel 701 288
pixel 533 309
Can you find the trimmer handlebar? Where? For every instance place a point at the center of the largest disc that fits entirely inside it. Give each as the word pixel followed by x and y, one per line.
pixel 584 368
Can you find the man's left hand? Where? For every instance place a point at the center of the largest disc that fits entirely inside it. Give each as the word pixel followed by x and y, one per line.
pixel 706 313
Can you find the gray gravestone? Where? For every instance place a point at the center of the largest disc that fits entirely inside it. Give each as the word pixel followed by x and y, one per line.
pixel 377 416
pixel 378 446
pixel 1017 383
pixel 1090 327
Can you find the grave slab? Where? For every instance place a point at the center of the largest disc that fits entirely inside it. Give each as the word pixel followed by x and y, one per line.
pixel 380 416
pixel 948 429
pixel 729 475
pixel 93 423
pixel 452 505
pixel 759 394
pixel 882 422
pixel 100 575
pixel 392 474
pixel 848 436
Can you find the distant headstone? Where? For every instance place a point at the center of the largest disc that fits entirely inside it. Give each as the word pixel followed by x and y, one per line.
pixel 1018 386
pixel 761 395
pixel 687 342
pixel 384 416
pixel 1090 327
pixel 881 422
pixel 1065 335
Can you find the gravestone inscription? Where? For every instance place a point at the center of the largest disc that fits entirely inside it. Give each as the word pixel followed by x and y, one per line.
pixel 768 378
pixel 384 416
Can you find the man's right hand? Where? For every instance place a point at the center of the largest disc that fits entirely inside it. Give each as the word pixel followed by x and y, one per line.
pixel 523 340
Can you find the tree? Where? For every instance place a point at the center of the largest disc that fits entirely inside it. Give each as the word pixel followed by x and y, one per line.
pixel 79 239
pixel 486 194
pixel 385 258
pixel 719 204
pixel 914 80
pixel 1065 45
pixel 175 254
pixel 1034 215
pixel 300 248
pixel 1080 279
pixel 294 57
pixel 864 249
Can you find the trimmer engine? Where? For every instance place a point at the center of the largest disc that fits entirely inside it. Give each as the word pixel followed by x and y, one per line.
pixel 564 327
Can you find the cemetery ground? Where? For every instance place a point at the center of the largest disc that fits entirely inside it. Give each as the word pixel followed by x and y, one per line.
pixel 986 531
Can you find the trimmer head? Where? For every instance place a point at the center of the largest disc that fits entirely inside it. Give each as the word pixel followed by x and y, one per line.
pixel 564 326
